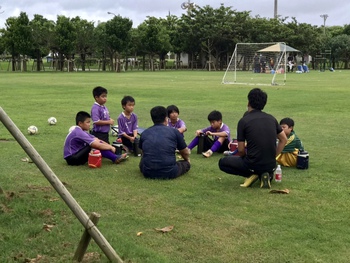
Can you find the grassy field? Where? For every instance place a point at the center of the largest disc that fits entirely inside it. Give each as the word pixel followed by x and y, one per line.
pixel 214 219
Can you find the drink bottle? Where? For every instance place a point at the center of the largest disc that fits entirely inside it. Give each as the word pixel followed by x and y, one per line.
pixel 118 146
pixel 278 174
pixel 136 149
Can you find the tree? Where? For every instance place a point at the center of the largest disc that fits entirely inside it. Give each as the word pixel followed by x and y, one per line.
pixel 340 46
pixel 85 41
pixel 41 29
pixel 217 30
pixel 64 41
pixel 154 38
pixel 17 39
pixel 118 33
pixel 101 44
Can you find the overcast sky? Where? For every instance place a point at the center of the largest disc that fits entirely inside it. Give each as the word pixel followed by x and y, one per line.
pixel 305 11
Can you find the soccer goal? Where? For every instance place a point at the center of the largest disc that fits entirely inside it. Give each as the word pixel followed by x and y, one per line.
pixel 257 64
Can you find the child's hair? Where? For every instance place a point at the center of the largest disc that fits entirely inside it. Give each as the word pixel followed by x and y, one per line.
pixel 257 99
pixel 172 108
pixel 127 99
pixel 287 121
pixel 158 114
pixel 97 92
pixel 81 117
pixel 215 116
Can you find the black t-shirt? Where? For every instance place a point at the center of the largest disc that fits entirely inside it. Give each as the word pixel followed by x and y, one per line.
pixel 259 130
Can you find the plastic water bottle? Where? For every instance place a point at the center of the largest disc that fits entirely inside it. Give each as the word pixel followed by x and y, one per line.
pixel 278 174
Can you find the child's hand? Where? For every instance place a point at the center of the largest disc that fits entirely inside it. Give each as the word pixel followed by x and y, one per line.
pixel 132 139
pixel 111 121
pixel 198 132
pixel 208 133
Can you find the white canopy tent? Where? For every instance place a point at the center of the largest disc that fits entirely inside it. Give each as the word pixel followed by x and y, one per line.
pixel 279 47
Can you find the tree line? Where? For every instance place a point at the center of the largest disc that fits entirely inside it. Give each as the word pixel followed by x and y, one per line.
pixel 201 32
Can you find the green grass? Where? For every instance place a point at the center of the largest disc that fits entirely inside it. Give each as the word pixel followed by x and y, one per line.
pixel 215 220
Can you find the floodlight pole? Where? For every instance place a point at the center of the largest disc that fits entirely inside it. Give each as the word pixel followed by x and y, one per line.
pixel 324 16
pixel 275 10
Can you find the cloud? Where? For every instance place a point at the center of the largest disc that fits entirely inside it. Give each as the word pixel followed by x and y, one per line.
pixel 138 10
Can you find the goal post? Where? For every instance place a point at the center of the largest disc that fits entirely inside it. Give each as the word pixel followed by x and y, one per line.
pixel 257 64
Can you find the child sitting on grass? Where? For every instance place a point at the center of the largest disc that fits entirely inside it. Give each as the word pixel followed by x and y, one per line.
pixel 219 131
pixel 289 154
pixel 128 123
pixel 174 121
pixel 79 143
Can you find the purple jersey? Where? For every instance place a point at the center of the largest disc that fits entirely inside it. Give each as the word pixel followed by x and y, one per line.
pixel 100 113
pixel 76 140
pixel 125 125
pixel 178 124
pixel 223 128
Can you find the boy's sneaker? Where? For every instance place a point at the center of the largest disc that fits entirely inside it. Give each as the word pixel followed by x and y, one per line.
pixel 121 158
pixel 208 153
pixel 250 180
pixel 265 180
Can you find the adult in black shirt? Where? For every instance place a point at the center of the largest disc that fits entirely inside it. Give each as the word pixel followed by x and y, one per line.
pixel 256 135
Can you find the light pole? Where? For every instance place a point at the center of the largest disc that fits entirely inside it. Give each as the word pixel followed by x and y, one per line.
pixel 275 10
pixel 110 13
pixel 324 16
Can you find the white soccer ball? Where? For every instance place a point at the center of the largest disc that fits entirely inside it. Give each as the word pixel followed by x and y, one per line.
pixel 32 130
pixel 114 130
pixel 52 120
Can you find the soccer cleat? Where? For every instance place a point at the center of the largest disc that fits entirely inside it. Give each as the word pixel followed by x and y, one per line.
pixel 265 181
pixel 250 180
pixel 121 158
pixel 227 153
pixel 208 153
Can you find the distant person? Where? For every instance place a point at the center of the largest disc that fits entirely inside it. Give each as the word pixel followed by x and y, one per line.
pixel 128 123
pixel 290 61
pixel 158 144
pixel 256 135
pixel 256 60
pixel 173 119
pixel 289 154
pixel 262 63
pixel 100 115
pixel 272 63
pixel 79 143
pixel 219 132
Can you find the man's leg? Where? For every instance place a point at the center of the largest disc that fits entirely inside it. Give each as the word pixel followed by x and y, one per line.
pixel 183 167
pixel 234 165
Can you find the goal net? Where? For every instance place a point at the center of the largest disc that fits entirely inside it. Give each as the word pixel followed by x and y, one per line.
pixel 257 64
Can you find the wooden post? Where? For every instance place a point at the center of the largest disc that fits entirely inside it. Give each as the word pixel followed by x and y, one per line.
pixel 60 188
pixel 85 239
